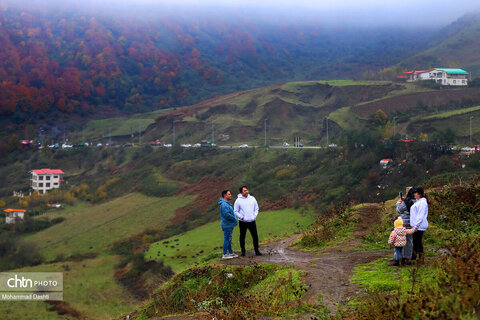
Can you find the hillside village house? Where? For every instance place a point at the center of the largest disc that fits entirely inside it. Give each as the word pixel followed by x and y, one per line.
pixel 44 180
pixel 443 76
pixel 12 215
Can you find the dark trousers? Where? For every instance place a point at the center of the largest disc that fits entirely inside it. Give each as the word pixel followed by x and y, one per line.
pixel 417 244
pixel 252 226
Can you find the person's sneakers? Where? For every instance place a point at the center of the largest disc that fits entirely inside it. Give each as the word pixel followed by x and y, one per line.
pixel 258 253
pixel 233 255
pixel 243 254
pixel 227 256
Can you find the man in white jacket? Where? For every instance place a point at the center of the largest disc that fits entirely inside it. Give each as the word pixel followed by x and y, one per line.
pixel 246 209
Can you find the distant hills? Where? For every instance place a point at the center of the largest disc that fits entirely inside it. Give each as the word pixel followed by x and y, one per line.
pixel 301 109
pixel 55 63
pixel 457 45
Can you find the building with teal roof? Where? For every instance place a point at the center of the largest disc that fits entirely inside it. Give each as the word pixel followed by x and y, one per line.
pixel 446 76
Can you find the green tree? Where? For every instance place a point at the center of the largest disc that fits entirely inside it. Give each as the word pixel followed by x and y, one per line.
pixel 380 117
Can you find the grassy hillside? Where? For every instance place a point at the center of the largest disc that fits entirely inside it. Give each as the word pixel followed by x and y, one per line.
pixel 291 109
pixel 94 228
pixel 89 288
pixel 183 251
pixel 457 46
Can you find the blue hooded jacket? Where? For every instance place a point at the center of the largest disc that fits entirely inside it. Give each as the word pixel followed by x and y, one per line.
pixel 229 220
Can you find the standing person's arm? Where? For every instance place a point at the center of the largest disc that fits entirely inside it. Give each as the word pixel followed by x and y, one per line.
pixel 421 214
pixel 236 210
pixel 255 209
pixel 232 213
pixel 414 221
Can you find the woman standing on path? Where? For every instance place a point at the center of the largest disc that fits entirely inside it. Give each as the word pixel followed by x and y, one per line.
pixel 403 209
pixel 418 219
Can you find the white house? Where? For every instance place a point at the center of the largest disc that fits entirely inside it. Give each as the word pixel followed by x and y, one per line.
pixel 385 162
pixel 443 76
pixel 13 214
pixel 44 180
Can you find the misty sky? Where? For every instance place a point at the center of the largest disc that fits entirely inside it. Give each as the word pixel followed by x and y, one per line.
pixel 349 12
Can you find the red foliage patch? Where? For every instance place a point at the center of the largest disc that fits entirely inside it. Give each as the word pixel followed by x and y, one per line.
pixel 208 190
pixel 285 201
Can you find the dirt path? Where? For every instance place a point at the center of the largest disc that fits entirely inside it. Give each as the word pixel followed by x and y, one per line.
pixel 329 270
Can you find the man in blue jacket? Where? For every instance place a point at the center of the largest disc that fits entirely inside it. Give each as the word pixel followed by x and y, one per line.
pixel 228 222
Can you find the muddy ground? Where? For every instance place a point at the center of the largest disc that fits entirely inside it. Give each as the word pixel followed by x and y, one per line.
pixel 328 270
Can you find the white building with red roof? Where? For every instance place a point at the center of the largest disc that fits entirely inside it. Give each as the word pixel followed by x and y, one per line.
pixel 44 180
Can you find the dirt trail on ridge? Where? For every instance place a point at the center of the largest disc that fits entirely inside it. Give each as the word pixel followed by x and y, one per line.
pixel 329 270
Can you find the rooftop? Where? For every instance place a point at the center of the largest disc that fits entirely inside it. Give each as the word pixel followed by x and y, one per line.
pixel 14 210
pixel 452 71
pixel 47 171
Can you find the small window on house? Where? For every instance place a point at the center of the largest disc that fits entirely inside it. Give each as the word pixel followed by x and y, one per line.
pixel 40 177
pixel 40 185
pixel 464 81
pixel 55 177
pixel 55 183
pixel 454 81
pixel 47 177
pixel 47 184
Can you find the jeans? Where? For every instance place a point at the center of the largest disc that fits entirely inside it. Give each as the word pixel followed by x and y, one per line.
pixel 407 251
pixel 398 253
pixel 227 240
pixel 252 226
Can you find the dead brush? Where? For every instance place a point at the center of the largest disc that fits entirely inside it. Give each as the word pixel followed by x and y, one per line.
pixel 325 226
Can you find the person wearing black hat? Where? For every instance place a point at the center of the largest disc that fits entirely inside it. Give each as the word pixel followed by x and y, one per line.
pixel 418 220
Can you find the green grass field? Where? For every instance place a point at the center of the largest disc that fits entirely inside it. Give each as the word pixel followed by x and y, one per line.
pixel 89 287
pixel 458 122
pixel 94 228
pixel 293 86
pixel 183 251
pixel 121 126
pixel 451 113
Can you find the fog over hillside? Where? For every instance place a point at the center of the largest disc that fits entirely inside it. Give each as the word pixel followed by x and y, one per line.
pixel 338 13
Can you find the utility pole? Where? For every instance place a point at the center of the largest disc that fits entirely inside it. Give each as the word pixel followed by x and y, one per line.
pixel 213 133
pixel 471 130
pixel 394 124
pixel 266 132
pixel 327 132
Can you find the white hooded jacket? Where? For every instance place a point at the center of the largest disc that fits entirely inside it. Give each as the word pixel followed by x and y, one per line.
pixel 246 209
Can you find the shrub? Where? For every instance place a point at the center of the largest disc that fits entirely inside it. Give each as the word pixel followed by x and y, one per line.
pixel 16 253
pixel 455 294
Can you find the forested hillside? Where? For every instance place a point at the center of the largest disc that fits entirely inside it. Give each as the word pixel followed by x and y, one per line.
pixel 67 61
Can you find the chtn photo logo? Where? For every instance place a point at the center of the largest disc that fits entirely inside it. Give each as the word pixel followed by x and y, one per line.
pixel 23 282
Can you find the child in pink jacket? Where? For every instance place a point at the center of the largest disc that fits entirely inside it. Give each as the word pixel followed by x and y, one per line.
pixel 398 238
